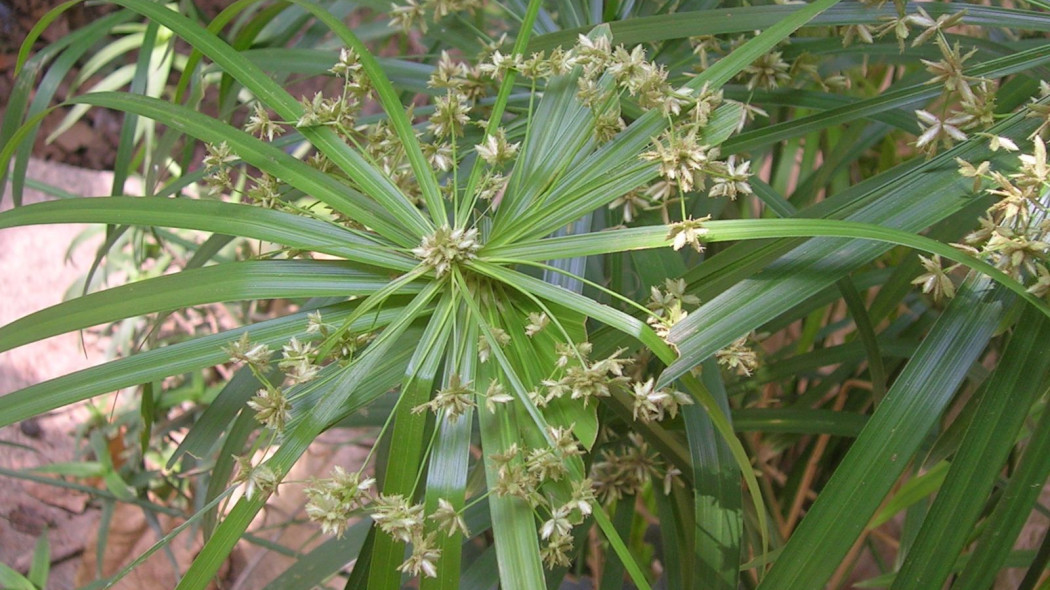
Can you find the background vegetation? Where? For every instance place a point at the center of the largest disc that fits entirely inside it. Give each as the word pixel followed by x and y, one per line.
pixel 693 294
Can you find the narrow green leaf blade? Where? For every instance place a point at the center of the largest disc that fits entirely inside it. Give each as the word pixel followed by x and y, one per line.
pixel 1015 385
pixel 262 155
pixel 295 231
pixel 260 279
pixel 890 438
pixel 717 494
pixel 154 365
pixel 1011 513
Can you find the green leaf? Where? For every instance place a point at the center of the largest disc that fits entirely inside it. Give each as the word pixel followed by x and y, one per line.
pixel 744 19
pixel 558 134
pixel 623 516
pixel 40 567
pixel 407 439
pixel 9 578
pixel 264 156
pixel 913 491
pixel 1018 380
pixel 889 440
pixel 716 492
pixel 262 279
pixel 80 469
pixel 154 365
pixel 498 107
pixel 799 421
pixel 294 231
pixel 1011 512
pixel 448 468
pixel 513 524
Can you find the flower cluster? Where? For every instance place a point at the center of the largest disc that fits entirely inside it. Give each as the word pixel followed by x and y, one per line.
pixel 522 472
pixel 300 362
pixel 556 531
pixel 668 305
pixel 256 356
pixel 738 356
pixel 455 399
pixel 501 337
pixel 586 380
pixel 255 478
pixel 333 501
pixel 623 470
pixel 415 15
pixel 651 404
pixel 1014 234
pixel 272 408
pixel 688 231
pixel 447 248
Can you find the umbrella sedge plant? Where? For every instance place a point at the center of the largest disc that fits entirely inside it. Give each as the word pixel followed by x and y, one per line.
pixel 523 252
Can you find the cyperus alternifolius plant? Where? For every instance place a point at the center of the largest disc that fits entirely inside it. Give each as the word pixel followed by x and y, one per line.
pixel 507 258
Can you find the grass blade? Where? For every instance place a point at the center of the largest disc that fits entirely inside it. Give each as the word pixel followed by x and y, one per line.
pixel 264 156
pixel 717 495
pixel 1011 512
